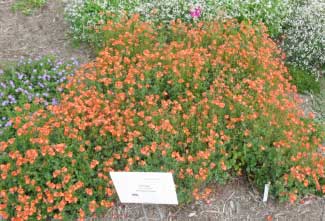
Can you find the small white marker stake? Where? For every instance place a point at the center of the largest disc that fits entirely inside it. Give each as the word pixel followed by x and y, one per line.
pixel 266 192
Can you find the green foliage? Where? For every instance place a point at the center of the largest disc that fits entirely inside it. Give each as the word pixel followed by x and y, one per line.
pixel 271 12
pixel 27 7
pixel 304 80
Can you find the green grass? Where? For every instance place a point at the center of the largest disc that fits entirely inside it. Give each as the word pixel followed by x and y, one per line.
pixel 27 7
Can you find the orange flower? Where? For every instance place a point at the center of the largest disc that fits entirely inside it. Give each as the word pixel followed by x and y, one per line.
pixel 292 197
pixel 109 192
pixel 82 149
pixel 92 206
pixel 31 155
pixel 89 191
pixel 66 179
pixel 61 206
pixel 81 214
pixel 223 165
pixel 56 173
pixel 93 164
pixel 98 148
pixel 27 106
pixel 269 218
pixel 68 196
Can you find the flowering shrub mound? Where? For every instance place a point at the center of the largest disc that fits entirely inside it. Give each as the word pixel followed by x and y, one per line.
pixel 31 79
pixel 87 16
pixel 212 102
pixel 304 41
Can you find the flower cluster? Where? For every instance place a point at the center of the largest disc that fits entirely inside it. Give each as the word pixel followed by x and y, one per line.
pixel 29 80
pixel 304 37
pixel 213 100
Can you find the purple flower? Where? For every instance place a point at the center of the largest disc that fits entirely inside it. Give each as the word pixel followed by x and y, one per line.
pixel 40 84
pixel 8 124
pixel 54 101
pixel 3 85
pixel 11 97
pixel 19 90
pixel 20 76
pixel 45 77
pixel 5 103
pixel 196 12
pixel 12 84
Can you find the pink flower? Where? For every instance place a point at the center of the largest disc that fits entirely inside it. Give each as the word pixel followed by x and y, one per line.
pixel 196 12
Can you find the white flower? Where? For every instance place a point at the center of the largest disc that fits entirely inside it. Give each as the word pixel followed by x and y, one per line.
pixel 305 37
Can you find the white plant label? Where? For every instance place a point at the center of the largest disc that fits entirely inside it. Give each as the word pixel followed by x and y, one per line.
pixel 145 187
pixel 266 192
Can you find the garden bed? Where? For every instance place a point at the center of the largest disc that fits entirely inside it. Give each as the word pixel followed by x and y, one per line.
pixel 45 32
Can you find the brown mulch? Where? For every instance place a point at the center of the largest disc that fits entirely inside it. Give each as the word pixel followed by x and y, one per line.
pixel 236 200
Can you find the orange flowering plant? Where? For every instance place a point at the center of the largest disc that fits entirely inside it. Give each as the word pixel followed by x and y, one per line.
pixel 203 101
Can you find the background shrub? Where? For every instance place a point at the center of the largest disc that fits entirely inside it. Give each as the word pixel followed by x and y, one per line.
pixel 271 12
pixel 166 11
pixel 211 102
pixel 304 37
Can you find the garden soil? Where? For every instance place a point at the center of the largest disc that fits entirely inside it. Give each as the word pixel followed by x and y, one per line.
pixel 46 32
pixel 43 33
